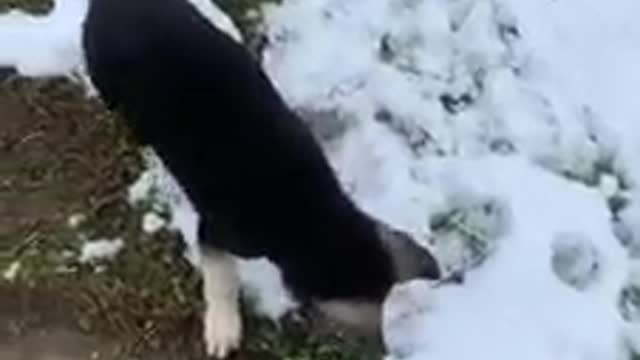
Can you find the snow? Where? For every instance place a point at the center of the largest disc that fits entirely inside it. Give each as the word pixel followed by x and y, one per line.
pixel 75 220
pixel 262 283
pixel 37 45
pixel 460 82
pixel 11 272
pixel 50 45
pixel 501 133
pixel 156 186
pixel 152 223
pixel 516 293
pixel 100 249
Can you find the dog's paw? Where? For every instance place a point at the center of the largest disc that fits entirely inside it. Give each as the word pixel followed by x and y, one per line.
pixel 222 329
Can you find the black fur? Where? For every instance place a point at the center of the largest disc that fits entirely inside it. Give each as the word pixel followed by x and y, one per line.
pixel 253 171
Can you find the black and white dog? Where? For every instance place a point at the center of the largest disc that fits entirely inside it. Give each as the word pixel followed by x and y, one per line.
pixel 254 172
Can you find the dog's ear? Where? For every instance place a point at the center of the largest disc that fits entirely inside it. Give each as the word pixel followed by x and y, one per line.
pixel 410 260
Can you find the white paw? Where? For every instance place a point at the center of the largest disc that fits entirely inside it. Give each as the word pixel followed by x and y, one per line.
pixel 222 329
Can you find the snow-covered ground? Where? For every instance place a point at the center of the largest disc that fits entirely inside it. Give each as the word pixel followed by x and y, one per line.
pixel 503 133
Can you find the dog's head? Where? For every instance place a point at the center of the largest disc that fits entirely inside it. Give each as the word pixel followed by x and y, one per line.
pixel 408 260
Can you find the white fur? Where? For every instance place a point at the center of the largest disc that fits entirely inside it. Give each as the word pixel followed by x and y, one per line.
pixel 222 320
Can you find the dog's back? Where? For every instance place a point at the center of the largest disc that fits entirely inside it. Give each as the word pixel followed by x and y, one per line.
pixel 246 161
pixel 254 172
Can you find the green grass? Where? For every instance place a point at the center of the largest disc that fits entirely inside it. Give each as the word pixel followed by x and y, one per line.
pixel 32 6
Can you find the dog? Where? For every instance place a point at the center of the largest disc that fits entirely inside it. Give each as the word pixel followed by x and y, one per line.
pixel 257 177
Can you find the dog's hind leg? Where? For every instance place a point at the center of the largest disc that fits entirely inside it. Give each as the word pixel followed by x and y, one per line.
pixel 222 320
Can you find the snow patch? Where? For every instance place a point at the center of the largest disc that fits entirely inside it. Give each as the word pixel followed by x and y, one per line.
pixel 515 294
pixel 436 85
pixel 11 272
pixel 157 187
pixel 262 282
pixel 101 249
pixel 152 223
pixel 75 220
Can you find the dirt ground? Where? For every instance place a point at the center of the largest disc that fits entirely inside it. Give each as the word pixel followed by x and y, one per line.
pixel 59 155
pixel 45 334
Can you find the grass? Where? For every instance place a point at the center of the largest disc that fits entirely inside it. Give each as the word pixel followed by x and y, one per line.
pixel 32 6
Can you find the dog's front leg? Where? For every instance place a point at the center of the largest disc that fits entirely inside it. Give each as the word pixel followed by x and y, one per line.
pixel 222 318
